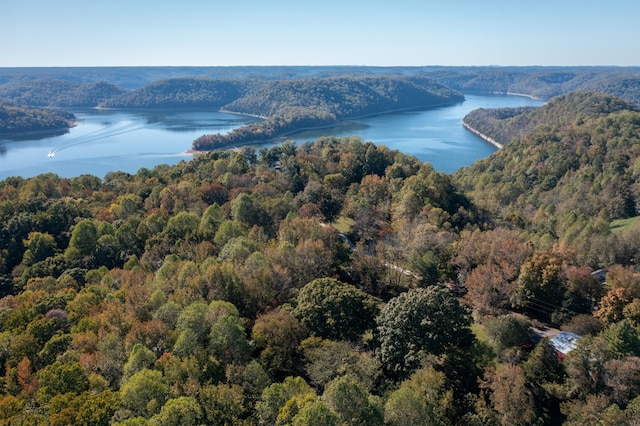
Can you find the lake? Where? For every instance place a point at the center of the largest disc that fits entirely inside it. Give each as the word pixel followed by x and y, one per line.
pixel 110 140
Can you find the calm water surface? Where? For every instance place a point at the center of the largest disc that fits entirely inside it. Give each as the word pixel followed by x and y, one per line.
pixel 105 141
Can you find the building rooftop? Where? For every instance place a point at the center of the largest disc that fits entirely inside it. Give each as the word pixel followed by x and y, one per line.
pixel 564 342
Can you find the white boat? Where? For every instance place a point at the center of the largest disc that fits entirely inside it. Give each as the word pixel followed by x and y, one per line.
pixel 51 154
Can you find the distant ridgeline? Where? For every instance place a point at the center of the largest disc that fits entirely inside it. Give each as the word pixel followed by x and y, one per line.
pixel 17 119
pixel 298 97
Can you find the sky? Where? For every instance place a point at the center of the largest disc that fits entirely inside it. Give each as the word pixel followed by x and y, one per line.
pixel 319 32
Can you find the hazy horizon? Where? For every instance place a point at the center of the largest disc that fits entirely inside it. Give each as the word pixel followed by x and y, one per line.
pixel 329 33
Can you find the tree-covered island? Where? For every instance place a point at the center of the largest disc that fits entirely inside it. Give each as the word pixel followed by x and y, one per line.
pixel 292 105
pixel 17 119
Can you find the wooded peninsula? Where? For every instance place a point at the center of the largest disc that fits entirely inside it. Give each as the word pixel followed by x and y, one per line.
pixel 334 282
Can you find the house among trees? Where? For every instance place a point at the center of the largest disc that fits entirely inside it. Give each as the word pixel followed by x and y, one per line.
pixel 563 343
pixel 600 275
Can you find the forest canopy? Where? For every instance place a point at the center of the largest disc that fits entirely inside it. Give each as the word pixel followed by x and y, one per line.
pixel 223 290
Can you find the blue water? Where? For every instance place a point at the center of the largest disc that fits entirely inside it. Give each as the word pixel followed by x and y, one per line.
pixel 105 141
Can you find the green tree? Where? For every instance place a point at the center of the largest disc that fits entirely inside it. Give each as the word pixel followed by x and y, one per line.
pixel 424 398
pixel 186 343
pixel 276 395
pixel 420 322
pixel 351 401
pixel 585 367
pixel 183 226
pixel 144 392
pixel 228 340
pixel 507 331
pixel 335 310
pixel 84 238
pixel 98 409
pixel 210 221
pixel 39 246
pixel 194 317
pixel 139 358
pixel 59 378
pixel 181 411
pixel 316 413
pixel 622 339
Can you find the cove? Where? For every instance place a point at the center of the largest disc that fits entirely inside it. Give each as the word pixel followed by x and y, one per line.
pixel 111 140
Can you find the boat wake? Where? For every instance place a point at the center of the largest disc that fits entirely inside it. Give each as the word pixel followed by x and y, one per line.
pixel 104 133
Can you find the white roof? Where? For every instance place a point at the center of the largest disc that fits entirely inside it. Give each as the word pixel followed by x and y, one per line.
pixel 564 342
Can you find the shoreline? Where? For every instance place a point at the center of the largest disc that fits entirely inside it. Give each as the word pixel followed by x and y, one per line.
pixel 304 129
pixel 483 136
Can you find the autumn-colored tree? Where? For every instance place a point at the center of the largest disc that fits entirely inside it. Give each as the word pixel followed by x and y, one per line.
pixel 329 359
pixel 540 285
pixel 26 379
pixel 612 305
pixel 278 335
pixel 223 404
pixel 623 379
pixel 509 398
pixel 488 290
pixel 627 277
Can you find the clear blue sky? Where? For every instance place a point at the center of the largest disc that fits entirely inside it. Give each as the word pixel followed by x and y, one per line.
pixel 319 32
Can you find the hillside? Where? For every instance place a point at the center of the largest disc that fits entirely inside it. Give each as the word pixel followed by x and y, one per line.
pixel 505 124
pixel 577 162
pixel 295 104
pixel 219 291
pixel 18 119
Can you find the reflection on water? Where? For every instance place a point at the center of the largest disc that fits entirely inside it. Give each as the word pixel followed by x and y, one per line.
pixel 34 136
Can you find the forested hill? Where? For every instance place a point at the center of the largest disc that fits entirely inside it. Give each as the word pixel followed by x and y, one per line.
pixel 578 163
pixel 625 87
pixel 92 86
pixel 16 119
pixel 182 92
pixel 503 124
pixel 345 96
pixel 543 82
pixel 294 104
pixel 59 93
